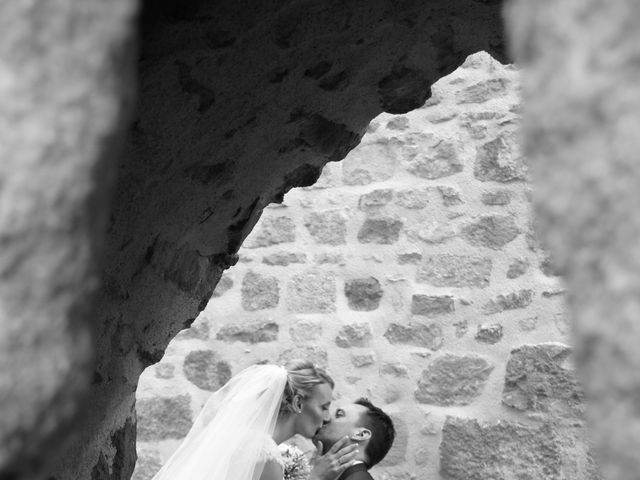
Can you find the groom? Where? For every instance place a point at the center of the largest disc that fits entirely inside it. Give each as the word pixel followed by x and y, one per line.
pixel 360 423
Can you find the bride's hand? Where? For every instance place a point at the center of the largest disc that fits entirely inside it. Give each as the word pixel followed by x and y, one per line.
pixel 331 465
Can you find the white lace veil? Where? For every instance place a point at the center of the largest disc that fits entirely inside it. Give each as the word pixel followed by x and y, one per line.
pixel 227 438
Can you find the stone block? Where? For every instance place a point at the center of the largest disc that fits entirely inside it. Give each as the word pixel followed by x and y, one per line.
pixel 441 160
pixel 312 292
pixel 412 258
pixel 510 301
pixel 224 285
pixel 453 380
pixel 362 359
pixel 329 258
pixel 370 162
pixel 416 334
pixel 431 305
pixel 499 160
pixel 491 231
pixel 161 418
pixel 395 369
pixel 496 198
pixel 304 330
pixel 502 451
pixel 517 267
pixel 541 378
pixel 249 332
pixel 383 230
pixel 206 370
pixel 375 199
pixel 398 123
pixel 412 199
pixel 328 227
pixel 165 370
pixel 484 91
pixel 272 231
pixel 450 196
pixel 447 270
pixel 315 354
pixel 434 232
pixel 489 333
pixel 199 329
pixel 363 294
pixel 284 259
pixel 259 292
pixel 354 335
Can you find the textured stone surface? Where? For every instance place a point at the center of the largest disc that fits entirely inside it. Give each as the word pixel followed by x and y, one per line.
pixel 510 301
pixel 380 230
pixel 312 292
pixel 517 267
pixel 540 378
pixel 363 359
pixel 206 370
pixel 431 305
pixel 304 330
pixel 442 161
pixel 327 227
pixel 314 354
pixel 224 285
pixel 417 334
pixel 491 333
pixel 162 418
pixel 249 332
pixel 412 199
pixel 498 161
pixel 273 231
pixel 492 231
pixel 354 335
pixel 453 380
pixel 470 451
pixel 496 198
pixel 259 292
pixel 484 91
pixel 363 294
pixel 455 271
pixel 375 199
pixel 284 259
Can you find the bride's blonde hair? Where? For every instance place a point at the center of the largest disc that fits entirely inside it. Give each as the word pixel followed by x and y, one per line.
pixel 302 376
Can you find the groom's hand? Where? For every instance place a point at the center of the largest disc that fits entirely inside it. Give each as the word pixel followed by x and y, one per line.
pixel 331 465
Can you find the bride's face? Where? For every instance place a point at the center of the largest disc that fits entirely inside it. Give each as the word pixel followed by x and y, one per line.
pixel 315 411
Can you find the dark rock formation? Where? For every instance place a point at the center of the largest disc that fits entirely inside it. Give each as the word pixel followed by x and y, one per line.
pixel 238 103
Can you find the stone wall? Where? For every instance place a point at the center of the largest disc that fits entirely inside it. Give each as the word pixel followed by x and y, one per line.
pixel 411 271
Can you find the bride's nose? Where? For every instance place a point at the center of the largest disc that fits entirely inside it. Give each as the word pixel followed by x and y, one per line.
pixel 327 418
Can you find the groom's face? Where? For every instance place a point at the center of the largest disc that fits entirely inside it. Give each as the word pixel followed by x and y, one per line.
pixel 345 420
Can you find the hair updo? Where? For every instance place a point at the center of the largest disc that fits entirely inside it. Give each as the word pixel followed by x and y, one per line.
pixel 302 376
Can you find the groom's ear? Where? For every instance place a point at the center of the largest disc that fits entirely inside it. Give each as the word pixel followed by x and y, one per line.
pixel 360 434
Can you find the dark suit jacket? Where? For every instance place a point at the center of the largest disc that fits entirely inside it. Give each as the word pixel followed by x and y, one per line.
pixel 357 472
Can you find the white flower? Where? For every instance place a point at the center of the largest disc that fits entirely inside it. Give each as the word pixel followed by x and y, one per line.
pixel 296 464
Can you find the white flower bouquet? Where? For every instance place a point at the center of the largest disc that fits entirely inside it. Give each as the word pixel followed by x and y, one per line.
pixel 296 464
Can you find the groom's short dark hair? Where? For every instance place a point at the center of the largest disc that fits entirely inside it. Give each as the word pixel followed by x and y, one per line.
pixel 382 431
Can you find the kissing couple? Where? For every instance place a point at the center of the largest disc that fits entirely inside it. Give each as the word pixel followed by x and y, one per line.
pixel 237 433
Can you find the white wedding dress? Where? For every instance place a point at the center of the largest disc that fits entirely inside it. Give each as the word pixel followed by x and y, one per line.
pixel 232 437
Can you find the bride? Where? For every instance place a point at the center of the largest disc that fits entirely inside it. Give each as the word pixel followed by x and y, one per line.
pixel 235 436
